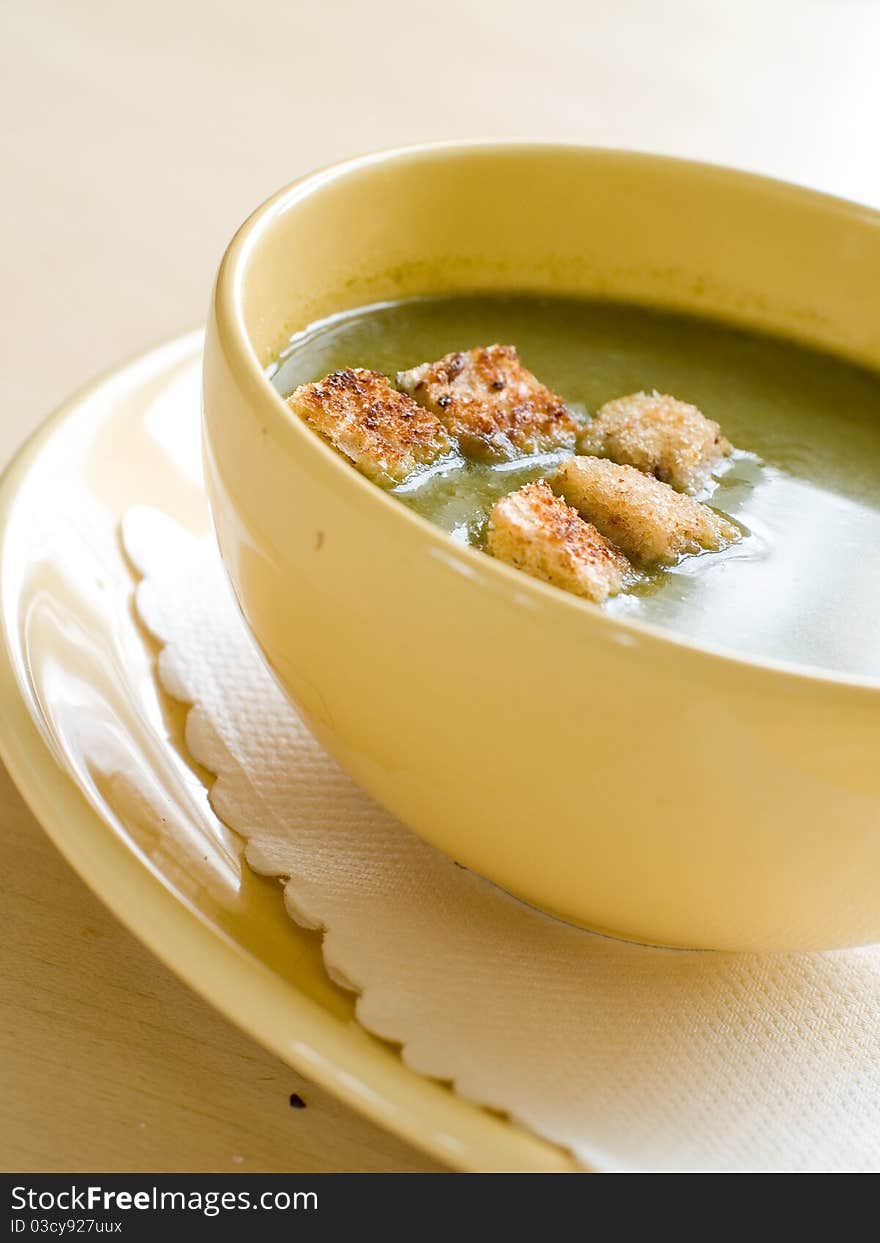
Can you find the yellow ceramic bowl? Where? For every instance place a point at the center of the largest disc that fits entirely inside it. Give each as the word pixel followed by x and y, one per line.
pixel 604 770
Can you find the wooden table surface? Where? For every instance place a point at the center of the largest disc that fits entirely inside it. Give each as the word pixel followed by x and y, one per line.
pixel 134 139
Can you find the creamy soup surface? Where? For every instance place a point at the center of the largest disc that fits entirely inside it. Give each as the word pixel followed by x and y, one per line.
pixel 803 585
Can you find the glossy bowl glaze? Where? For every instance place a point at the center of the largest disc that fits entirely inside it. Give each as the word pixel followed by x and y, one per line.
pixel 609 772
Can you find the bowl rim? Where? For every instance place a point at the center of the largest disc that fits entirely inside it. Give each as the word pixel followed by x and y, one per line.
pixel 227 306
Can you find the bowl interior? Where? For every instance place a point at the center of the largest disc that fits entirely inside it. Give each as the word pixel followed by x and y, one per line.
pixel 566 220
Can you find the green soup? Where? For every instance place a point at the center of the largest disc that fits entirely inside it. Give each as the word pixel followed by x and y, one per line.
pixel 804 584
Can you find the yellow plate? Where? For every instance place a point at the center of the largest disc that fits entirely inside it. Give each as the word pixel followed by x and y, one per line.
pixel 97 754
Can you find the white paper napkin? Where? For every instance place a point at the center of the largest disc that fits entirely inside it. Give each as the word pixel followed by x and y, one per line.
pixel 632 1058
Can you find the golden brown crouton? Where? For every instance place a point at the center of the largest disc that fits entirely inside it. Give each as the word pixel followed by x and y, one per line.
pixel 492 404
pixel 660 435
pixel 537 532
pixel 385 433
pixel 651 522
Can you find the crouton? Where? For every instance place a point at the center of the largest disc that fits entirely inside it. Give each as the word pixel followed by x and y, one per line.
pixel 649 520
pixel 492 404
pixel 660 435
pixel 537 532
pixel 384 433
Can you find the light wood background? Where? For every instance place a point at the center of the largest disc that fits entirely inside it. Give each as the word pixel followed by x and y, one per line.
pixel 133 140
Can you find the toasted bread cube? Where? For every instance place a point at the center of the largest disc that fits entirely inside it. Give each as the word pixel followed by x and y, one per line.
pixel 660 435
pixel 384 433
pixel 649 520
pixel 492 404
pixel 537 532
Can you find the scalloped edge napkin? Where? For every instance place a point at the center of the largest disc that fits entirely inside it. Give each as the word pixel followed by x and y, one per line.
pixel 633 1058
